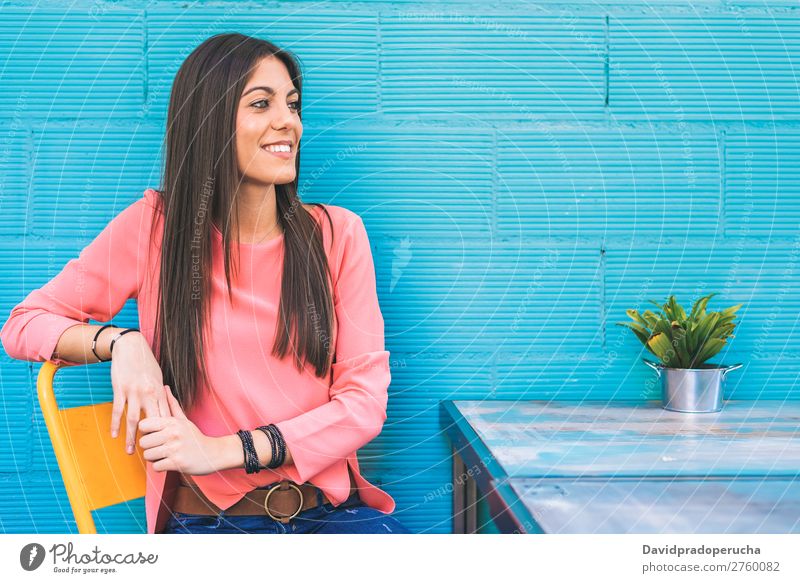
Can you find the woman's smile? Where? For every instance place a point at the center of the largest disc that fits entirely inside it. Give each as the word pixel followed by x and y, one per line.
pixel 283 149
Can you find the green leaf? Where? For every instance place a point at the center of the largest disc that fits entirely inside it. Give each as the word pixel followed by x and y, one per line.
pixel 691 338
pixel 712 347
pixel 677 312
pixel 723 331
pixel 635 316
pixel 699 307
pixel 651 318
pixel 732 310
pixel 669 308
pixel 639 327
pixel 706 327
pixel 679 342
pixel 663 327
pixel 661 308
pixel 640 332
pixel 662 347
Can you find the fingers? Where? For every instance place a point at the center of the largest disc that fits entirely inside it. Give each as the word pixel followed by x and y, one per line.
pixel 155 453
pixel 152 424
pixel 164 465
pixel 170 401
pixel 163 405
pixel 151 407
pixel 157 405
pixel 132 421
pixel 116 413
pixel 174 405
pixel 153 402
pixel 151 439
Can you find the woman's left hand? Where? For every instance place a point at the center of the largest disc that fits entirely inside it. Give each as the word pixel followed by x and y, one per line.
pixel 175 443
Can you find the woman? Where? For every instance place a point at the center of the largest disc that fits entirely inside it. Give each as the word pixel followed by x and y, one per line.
pixel 259 363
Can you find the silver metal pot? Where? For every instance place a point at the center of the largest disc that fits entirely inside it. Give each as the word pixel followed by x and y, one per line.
pixel 692 390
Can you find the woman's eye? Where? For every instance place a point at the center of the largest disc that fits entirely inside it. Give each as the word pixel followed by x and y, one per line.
pixel 294 104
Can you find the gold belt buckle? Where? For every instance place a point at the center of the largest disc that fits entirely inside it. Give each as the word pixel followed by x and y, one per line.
pixel 284 485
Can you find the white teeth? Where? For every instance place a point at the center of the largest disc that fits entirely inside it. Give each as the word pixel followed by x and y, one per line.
pixel 279 148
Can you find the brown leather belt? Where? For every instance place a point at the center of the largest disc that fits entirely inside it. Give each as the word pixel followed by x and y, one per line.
pixel 280 501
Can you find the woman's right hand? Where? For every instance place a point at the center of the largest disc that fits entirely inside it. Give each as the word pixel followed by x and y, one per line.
pixel 138 381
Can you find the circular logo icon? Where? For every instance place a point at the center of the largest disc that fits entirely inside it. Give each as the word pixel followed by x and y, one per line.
pixel 31 556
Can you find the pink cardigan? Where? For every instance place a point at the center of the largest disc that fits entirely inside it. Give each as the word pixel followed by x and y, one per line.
pixel 324 421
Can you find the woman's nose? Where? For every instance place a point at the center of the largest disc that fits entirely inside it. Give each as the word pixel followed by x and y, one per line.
pixel 284 117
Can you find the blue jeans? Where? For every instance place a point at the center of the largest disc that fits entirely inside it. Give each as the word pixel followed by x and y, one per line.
pixel 351 517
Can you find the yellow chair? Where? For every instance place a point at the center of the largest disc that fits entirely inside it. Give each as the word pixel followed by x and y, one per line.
pixel 96 470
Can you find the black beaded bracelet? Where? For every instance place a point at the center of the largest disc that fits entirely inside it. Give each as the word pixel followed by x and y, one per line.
pixel 273 446
pixel 94 343
pixel 279 443
pixel 251 464
pixel 276 452
pixel 255 465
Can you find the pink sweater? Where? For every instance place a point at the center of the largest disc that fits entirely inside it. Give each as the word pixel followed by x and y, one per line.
pixel 324 421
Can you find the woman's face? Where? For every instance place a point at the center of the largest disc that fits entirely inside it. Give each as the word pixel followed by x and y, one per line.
pixel 268 113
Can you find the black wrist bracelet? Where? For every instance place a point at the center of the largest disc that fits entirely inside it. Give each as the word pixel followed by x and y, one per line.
pixel 273 446
pixel 275 461
pixel 255 466
pixel 251 464
pixel 94 343
pixel 279 443
pixel 118 336
pixel 254 463
pixel 244 449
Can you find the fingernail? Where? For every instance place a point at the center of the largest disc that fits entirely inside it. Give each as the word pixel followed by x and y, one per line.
pixel 114 434
pixel 130 449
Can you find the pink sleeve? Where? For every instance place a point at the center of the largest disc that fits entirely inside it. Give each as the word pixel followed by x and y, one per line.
pixel 359 392
pixel 94 285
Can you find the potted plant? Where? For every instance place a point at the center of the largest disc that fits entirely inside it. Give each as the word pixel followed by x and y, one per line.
pixel 683 344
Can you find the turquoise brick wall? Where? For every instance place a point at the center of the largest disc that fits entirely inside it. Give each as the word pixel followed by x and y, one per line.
pixel 526 171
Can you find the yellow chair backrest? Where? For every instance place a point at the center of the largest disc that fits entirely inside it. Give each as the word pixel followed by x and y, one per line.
pixel 96 470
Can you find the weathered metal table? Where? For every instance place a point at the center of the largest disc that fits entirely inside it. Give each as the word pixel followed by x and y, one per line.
pixel 622 466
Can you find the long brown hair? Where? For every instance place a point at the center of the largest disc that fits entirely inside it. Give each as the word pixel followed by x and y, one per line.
pixel 198 184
